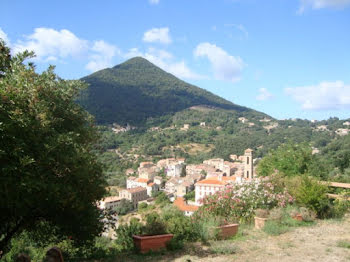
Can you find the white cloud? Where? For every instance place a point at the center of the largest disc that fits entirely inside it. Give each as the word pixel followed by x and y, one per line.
pixel 56 45
pixel 263 95
pixel 324 96
pixel 4 37
pixel 160 35
pixel 225 66
pixel 166 61
pixel 50 44
pixel 153 2
pixel 318 4
pixel 102 56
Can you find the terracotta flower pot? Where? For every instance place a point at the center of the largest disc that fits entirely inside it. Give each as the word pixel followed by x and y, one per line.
pixel 227 231
pixel 154 243
pixel 298 217
pixel 260 222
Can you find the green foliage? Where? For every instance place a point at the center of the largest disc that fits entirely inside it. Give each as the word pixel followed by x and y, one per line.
pixel 311 194
pixel 206 228
pixel 124 207
pixel 142 206
pixel 343 244
pixel 47 169
pixel 162 199
pixel 136 90
pixel 154 225
pixel 5 58
pixel 238 202
pixel 190 196
pixel 340 207
pixel 179 224
pixel 289 159
pixel 281 220
pixel 125 232
pixel 100 248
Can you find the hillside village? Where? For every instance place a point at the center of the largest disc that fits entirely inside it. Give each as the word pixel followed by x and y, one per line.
pixel 176 178
pixel 179 179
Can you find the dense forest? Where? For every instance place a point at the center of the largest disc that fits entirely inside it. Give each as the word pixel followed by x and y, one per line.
pixel 136 90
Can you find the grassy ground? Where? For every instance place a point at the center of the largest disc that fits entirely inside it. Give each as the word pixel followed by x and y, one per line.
pixel 324 241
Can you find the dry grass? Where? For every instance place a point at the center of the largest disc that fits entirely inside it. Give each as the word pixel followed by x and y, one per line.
pixel 322 242
pixel 194 148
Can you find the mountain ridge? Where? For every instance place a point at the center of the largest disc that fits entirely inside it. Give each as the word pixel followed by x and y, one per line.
pixel 136 90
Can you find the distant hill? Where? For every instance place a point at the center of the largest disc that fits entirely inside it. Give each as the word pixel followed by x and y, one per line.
pixel 137 90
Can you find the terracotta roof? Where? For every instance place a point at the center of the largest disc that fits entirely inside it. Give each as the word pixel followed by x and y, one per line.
pixel 142 180
pixel 182 205
pixel 150 184
pixel 228 178
pixel 211 182
pixel 111 199
pixel 136 189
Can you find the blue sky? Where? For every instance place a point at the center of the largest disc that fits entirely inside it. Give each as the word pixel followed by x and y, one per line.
pixel 287 58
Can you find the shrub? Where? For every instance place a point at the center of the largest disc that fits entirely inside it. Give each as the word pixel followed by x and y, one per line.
pixel 162 199
pixel 276 214
pixel 175 243
pixel 124 207
pixel 307 214
pixel 125 232
pixel 239 201
pixel 179 224
pixel 340 207
pixel 142 206
pixel 154 225
pixel 206 229
pixel 312 194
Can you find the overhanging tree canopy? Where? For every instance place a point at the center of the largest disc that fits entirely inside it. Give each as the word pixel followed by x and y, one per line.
pixel 47 171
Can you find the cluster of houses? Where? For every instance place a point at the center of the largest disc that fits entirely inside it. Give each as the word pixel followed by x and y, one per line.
pixel 204 179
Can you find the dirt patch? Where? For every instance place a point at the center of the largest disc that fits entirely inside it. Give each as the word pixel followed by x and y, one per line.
pixel 194 148
pixel 203 109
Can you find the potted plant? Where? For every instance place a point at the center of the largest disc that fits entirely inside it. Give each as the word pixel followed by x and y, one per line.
pixel 261 216
pixel 296 215
pixel 154 235
pixel 226 228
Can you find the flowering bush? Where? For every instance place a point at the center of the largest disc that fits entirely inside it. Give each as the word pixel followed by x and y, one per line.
pixel 238 202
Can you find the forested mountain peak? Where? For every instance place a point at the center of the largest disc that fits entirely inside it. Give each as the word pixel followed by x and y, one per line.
pixel 136 90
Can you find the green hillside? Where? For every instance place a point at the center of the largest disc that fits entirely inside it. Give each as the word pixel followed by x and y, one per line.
pixel 137 90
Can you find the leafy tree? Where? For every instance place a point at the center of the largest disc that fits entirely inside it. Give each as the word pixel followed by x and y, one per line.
pixel 162 198
pixel 47 170
pixel 124 207
pixel 5 58
pixel 190 196
pixel 289 159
